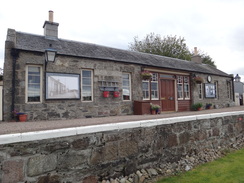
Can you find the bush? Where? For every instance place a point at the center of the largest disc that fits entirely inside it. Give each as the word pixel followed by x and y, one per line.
pixel 196 106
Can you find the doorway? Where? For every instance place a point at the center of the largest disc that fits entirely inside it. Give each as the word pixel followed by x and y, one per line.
pixel 167 95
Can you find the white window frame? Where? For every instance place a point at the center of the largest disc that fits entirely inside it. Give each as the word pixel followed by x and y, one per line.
pixel 146 81
pixel 92 95
pixel 129 86
pixel 26 84
pixel 154 80
pixel 200 90
pixel 216 89
pixel 182 89
pixel 186 84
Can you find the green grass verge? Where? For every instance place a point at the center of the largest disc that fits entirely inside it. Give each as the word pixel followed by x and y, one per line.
pixel 229 169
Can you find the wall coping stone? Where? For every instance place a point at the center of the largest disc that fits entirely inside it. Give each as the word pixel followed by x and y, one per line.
pixel 65 132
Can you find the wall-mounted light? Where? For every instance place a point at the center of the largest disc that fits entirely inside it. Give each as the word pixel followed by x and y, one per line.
pixel 50 55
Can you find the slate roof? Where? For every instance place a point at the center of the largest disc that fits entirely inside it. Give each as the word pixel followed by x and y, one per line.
pixel 30 42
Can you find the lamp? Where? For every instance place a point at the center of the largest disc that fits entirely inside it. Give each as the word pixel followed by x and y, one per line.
pixel 50 55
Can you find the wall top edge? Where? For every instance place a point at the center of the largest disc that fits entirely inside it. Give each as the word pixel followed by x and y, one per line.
pixel 65 132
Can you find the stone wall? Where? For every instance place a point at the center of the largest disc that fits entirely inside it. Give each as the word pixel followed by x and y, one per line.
pixel 222 99
pixel 103 152
pixel 70 109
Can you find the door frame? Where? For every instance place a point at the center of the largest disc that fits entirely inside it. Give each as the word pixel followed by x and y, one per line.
pixel 175 91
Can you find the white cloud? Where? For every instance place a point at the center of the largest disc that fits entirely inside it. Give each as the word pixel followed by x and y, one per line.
pixel 214 26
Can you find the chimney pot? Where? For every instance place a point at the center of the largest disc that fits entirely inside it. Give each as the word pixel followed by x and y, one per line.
pixel 196 57
pixel 195 51
pixel 50 16
pixel 50 27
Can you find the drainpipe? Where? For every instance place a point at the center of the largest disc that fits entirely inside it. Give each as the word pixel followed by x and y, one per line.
pixel 15 55
pixel 233 89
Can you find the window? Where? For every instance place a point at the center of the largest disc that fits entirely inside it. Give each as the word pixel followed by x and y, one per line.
pixel 154 86
pixel 126 85
pixel 145 89
pixel 200 92
pixel 183 87
pixel 186 88
pixel 216 89
pixel 34 84
pixel 180 87
pixel 87 85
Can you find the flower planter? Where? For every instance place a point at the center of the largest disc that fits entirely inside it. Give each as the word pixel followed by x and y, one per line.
pixel 116 94
pixel 23 117
pixel 106 94
pixel 146 77
pixel 153 112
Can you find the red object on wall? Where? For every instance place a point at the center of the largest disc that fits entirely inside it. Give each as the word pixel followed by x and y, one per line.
pixel 105 94
pixel 116 94
pixel 23 117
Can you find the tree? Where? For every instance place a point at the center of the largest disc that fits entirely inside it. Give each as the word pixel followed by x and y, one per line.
pixel 206 59
pixel 169 46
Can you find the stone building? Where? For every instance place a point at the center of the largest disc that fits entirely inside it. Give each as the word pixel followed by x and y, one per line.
pixel 88 80
pixel 239 90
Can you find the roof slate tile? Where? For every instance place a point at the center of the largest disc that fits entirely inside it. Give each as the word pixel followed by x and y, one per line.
pixel 30 42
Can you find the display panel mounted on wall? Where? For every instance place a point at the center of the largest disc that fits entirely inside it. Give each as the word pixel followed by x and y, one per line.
pixel 210 91
pixel 62 86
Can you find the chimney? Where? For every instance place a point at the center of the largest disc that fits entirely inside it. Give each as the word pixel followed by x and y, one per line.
pixel 196 57
pixel 50 27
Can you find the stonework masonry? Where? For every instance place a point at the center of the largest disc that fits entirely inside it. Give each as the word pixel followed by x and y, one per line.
pixel 70 109
pixel 100 106
pixel 101 155
pixel 222 99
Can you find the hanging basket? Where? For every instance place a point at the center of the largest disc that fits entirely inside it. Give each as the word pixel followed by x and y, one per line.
pixel 146 75
pixel 198 79
pixel 105 94
pixel 116 94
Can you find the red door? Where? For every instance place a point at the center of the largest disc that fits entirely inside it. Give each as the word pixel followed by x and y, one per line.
pixel 168 95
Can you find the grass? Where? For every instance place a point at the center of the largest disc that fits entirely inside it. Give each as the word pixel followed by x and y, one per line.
pixel 229 169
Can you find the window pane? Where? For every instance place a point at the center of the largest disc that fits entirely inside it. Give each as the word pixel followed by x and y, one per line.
pixel 145 89
pixel 34 84
pixel 86 81
pixel 34 70
pixel 86 89
pixel 200 91
pixel 126 86
pixel 86 73
pixel 126 76
pixel 154 77
pixel 180 90
pixel 154 90
pixel 126 82
pixel 145 85
pixel 86 85
pixel 154 86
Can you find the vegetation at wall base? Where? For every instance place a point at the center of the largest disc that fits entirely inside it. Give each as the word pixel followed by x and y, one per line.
pixel 196 106
pixel 228 169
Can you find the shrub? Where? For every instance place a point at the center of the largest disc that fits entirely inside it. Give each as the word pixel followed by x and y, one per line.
pixel 196 106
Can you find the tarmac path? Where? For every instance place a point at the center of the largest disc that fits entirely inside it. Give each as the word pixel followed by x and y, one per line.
pixel 21 127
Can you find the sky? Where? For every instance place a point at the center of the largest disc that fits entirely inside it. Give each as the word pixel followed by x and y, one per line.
pixel 216 27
